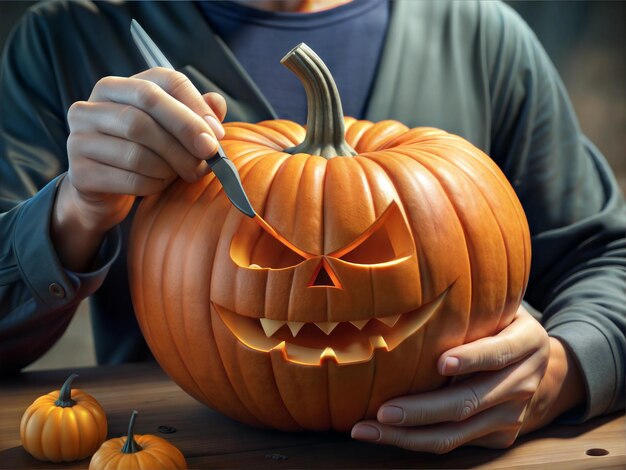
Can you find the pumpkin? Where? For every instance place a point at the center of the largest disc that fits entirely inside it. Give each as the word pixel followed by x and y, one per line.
pixel 375 248
pixel 64 425
pixel 137 451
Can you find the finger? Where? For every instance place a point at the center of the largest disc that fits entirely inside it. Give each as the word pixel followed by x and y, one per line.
pixel 192 131
pixel 521 338
pixel 119 153
pixel 89 176
pixel 217 103
pixel 444 437
pixel 459 402
pixel 177 85
pixel 134 125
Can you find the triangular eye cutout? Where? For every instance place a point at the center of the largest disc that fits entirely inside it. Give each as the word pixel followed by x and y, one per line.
pixel 387 239
pixel 257 245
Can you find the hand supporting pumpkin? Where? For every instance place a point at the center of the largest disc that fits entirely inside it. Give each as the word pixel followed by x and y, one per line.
pixel 521 380
pixel 133 137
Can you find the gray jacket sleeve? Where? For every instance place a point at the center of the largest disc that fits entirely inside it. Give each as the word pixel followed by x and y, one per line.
pixel 37 295
pixel 574 207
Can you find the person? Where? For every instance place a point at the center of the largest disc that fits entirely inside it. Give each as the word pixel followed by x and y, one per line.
pixel 85 130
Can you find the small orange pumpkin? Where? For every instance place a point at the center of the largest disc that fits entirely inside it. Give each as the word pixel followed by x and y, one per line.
pixel 64 425
pixel 375 248
pixel 138 452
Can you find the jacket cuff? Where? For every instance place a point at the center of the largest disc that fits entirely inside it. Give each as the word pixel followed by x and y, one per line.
pixel 50 284
pixel 592 352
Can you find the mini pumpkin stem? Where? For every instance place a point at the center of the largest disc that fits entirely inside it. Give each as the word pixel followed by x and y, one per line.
pixel 131 446
pixel 325 133
pixel 65 395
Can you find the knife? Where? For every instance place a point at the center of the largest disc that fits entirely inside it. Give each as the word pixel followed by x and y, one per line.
pixel 222 166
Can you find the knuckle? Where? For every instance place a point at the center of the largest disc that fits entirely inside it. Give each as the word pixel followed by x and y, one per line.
pixel 527 388
pixel 445 445
pixel 505 353
pixel 469 406
pixel 134 156
pixel 147 94
pixel 132 122
pixel 104 82
pixel 131 181
pixel 178 158
pixel 176 82
pixel 76 110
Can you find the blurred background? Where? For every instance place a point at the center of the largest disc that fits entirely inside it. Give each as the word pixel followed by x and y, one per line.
pixel 586 40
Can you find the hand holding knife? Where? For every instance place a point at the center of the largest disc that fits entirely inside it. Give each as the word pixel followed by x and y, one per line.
pixel 222 166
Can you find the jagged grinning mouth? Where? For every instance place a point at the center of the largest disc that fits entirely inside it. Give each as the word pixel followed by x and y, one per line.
pixel 313 343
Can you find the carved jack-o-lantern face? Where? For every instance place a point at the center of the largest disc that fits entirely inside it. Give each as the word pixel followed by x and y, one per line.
pixel 385 249
pixel 357 273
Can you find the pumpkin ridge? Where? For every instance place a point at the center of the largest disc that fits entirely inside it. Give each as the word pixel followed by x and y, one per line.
pixel 416 369
pixel 477 189
pixel 52 422
pixel 280 140
pixel 377 137
pixel 41 432
pixel 466 238
pixel 93 424
pixel 377 159
pixel 153 214
pixel 245 169
pixel 521 221
pixel 282 396
pixel 66 453
pixel 244 172
pixel 227 372
pixel 369 176
pixel 496 177
pixel 175 339
pixel 292 131
pixel 293 284
pixel 504 191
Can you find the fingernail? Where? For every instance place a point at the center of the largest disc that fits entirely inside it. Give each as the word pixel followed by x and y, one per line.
pixel 215 125
pixel 365 432
pixel 451 365
pixel 391 414
pixel 205 144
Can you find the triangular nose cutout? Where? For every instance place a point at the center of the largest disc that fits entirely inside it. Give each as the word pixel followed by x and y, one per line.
pixel 323 278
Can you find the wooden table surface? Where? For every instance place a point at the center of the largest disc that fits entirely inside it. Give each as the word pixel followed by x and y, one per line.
pixel 210 440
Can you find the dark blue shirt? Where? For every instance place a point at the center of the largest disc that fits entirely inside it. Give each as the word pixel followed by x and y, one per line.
pixel 349 39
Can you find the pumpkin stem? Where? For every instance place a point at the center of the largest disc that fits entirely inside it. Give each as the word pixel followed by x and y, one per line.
pixel 131 446
pixel 325 131
pixel 65 395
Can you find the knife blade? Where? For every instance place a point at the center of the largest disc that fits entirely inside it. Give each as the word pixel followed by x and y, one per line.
pixel 223 168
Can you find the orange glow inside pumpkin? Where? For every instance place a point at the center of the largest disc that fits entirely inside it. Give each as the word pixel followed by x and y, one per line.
pixel 258 245
pixel 343 342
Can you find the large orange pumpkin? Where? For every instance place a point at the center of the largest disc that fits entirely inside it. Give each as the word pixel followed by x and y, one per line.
pixel 361 267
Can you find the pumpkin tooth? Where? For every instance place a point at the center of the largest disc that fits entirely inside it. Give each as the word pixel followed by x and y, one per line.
pixel 360 323
pixel 328 354
pixel 390 321
pixel 327 326
pixel 271 326
pixel 378 342
pixel 295 327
